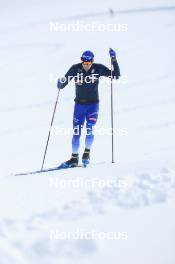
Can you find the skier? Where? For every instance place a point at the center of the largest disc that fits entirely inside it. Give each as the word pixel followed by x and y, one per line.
pixel 86 75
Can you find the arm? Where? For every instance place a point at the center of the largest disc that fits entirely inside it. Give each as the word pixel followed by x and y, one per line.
pixel 107 72
pixel 62 82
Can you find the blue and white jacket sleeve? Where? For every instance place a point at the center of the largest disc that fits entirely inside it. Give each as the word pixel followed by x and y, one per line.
pixel 62 82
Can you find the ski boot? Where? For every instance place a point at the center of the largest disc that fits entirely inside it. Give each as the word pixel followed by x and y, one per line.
pixel 71 163
pixel 86 157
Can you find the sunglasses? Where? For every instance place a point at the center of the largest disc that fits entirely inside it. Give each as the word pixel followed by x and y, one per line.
pixel 87 62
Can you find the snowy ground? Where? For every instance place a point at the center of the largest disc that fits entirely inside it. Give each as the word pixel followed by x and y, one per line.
pixel 134 197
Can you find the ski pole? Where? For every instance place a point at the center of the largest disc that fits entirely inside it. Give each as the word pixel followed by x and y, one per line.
pixel 112 114
pixel 50 129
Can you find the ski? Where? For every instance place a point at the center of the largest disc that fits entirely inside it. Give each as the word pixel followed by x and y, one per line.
pixel 57 169
pixel 46 170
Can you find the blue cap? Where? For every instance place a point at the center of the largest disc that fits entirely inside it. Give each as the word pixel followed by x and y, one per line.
pixel 87 56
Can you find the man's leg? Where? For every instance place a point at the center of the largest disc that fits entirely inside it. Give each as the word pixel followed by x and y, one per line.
pixel 91 118
pixel 78 122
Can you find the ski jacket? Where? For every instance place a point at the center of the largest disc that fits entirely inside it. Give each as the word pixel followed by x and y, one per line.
pixel 87 82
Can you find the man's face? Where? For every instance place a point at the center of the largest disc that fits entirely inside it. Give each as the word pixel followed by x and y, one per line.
pixel 87 65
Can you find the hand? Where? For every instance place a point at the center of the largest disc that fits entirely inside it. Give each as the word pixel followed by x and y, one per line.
pixel 112 53
pixel 59 84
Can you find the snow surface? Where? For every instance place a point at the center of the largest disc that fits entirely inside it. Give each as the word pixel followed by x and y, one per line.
pixel 140 200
